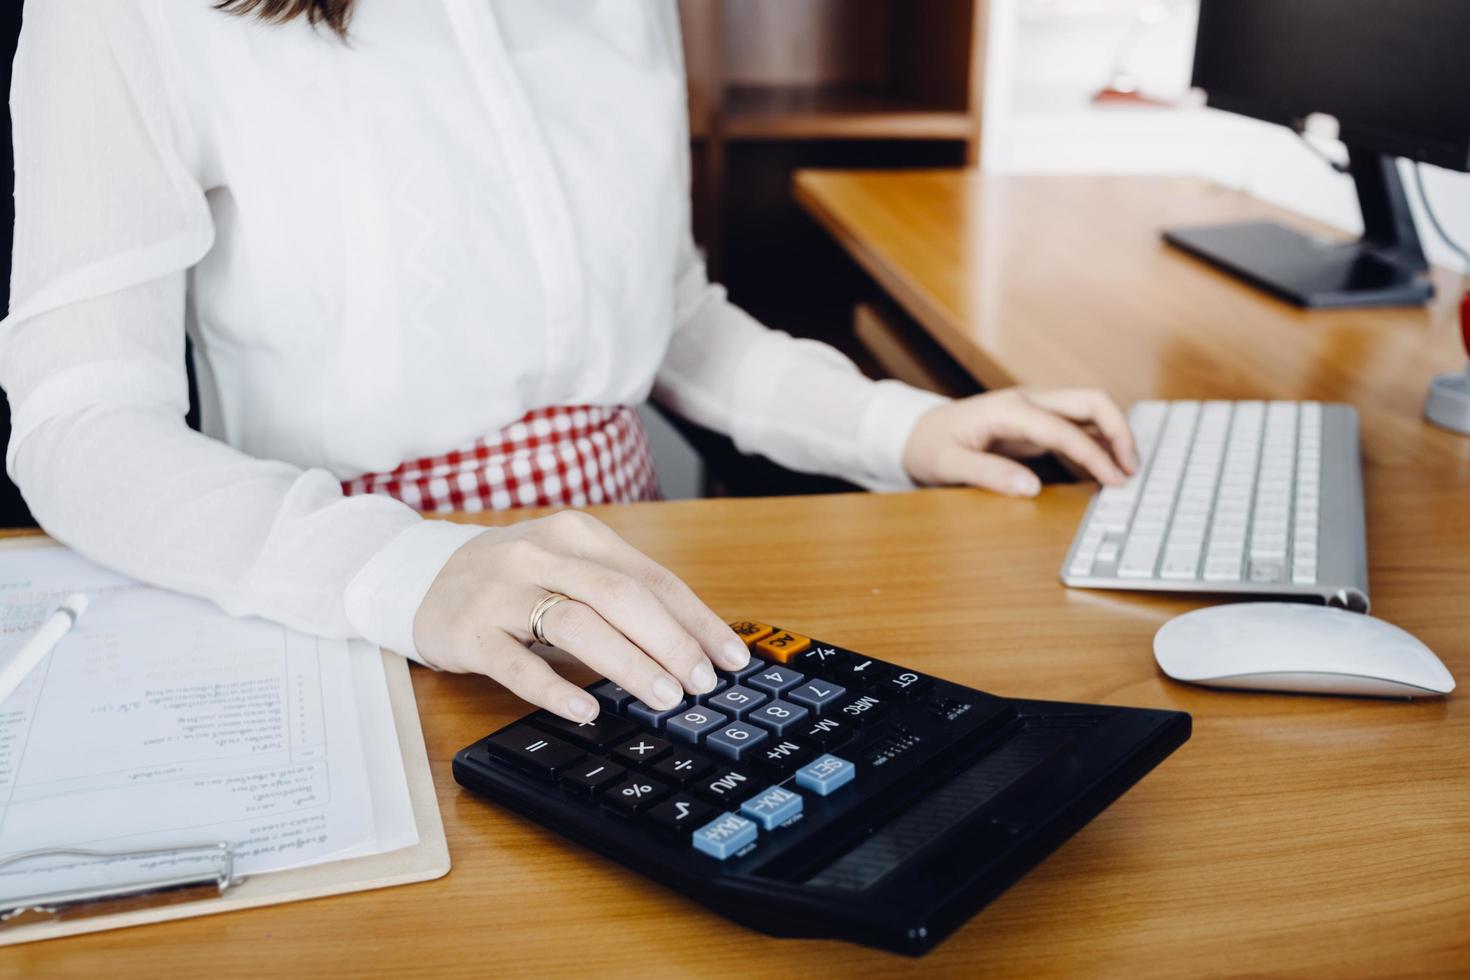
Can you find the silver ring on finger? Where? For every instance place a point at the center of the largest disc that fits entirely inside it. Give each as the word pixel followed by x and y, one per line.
pixel 539 611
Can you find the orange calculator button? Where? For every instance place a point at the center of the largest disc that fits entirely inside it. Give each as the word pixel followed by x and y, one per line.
pixel 783 646
pixel 751 632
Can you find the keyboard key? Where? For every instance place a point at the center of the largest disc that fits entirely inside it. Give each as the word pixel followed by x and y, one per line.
pixel 642 750
pixel 828 731
pixel 635 794
pixel 774 679
pixel 680 814
pixel 591 776
pixel 863 671
pixel 782 646
pixel 778 716
pixel 735 739
pixel 826 774
pixel 725 785
pixel 864 709
pixel 724 836
pixel 612 697
pixel 680 766
pixel 752 632
pixel 738 700
pixel 772 807
pixel 652 717
pixel 1265 572
pixel 606 729
pixel 821 660
pixel 906 684
pixel 782 754
pixel 694 724
pixel 817 695
pixel 533 750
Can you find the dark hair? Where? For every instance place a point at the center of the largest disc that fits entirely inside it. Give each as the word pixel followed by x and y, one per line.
pixel 334 13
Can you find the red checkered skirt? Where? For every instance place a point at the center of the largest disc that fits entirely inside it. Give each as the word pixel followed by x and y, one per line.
pixel 553 456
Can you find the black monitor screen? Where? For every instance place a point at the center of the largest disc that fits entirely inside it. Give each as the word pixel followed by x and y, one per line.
pixel 1395 73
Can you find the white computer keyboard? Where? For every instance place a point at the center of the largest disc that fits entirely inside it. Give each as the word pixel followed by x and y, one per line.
pixel 1249 497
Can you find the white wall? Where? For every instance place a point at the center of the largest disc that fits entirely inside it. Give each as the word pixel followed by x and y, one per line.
pixel 1047 58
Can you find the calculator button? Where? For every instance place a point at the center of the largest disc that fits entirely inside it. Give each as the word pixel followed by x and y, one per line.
pixel 825 774
pixel 822 660
pixel 817 695
pixel 680 814
pixel 532 749
pixel 782 646
pixel 635 794
pixel 613 698
pixel 863 709
pixel 725 835
pixel 782 755
pixel 772 807
pixel 592 775
pixel 906 684
pixel 720 684
pixel 606 729
pixel 827 731
pixel 652 717
pixel 863 671
pixel 739 700
pixel 735 739
pixel 774 679
pixel 725 785
pixel 778 716
pixel 680 766
pixel 642 750
pixel 694 724
pixel 751 632
pixel 751 666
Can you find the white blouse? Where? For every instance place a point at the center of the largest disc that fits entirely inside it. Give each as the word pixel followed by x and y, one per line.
pixel 382 249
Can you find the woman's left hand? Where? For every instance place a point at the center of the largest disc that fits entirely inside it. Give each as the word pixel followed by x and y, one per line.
pixel 968 441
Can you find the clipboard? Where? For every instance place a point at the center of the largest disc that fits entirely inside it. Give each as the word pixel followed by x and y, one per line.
pixel 426 860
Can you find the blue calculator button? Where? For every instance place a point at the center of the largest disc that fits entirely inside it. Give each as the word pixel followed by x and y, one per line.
pixel 735 739
pixel 825 774
pixel 694 723
pixel 774 679
pixel 738 700
pixel 817 695
pixel 779 716
pixel 724 835
pixel 750 668
pixel 652 717
pixel 772 807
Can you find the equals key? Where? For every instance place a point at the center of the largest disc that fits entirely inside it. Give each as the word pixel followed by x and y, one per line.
pixel 527 748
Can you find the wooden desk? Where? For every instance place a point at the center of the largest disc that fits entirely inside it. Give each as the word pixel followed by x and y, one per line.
pixel 1065 281
pixel 1291 834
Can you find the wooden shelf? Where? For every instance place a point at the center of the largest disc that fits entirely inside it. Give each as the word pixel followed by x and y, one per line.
pixel 827 112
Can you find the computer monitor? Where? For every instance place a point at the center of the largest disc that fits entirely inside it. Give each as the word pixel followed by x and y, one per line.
pixel 1396 75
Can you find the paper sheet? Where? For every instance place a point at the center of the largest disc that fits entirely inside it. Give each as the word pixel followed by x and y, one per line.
pixel 161 721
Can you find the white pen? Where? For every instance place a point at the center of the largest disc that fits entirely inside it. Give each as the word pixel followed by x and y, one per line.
pixel 45 640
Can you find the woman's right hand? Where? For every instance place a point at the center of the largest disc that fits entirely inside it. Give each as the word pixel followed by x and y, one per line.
pixel 630 619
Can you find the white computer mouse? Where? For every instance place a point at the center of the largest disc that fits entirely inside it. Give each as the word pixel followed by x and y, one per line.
pixel 1288 646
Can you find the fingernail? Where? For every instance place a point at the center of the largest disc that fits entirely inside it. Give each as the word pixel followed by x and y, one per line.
pixel 667 692
pixel 1025 485
pixel 703 679
pixel 736 654
pixel 582 708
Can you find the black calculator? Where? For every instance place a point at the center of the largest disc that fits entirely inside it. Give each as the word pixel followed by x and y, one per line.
pixel 818 792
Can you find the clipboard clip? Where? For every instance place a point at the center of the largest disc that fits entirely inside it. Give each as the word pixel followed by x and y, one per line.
pixel 70 883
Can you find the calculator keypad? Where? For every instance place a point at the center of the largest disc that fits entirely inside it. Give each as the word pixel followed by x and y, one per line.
pixel 719 771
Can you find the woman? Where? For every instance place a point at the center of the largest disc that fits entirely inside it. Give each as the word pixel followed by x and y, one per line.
pixel 429 238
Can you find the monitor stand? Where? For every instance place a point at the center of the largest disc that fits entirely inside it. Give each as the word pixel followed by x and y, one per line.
pixel 1386 267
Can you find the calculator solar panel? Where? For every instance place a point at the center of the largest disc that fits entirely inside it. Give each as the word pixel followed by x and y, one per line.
pixel 818 792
